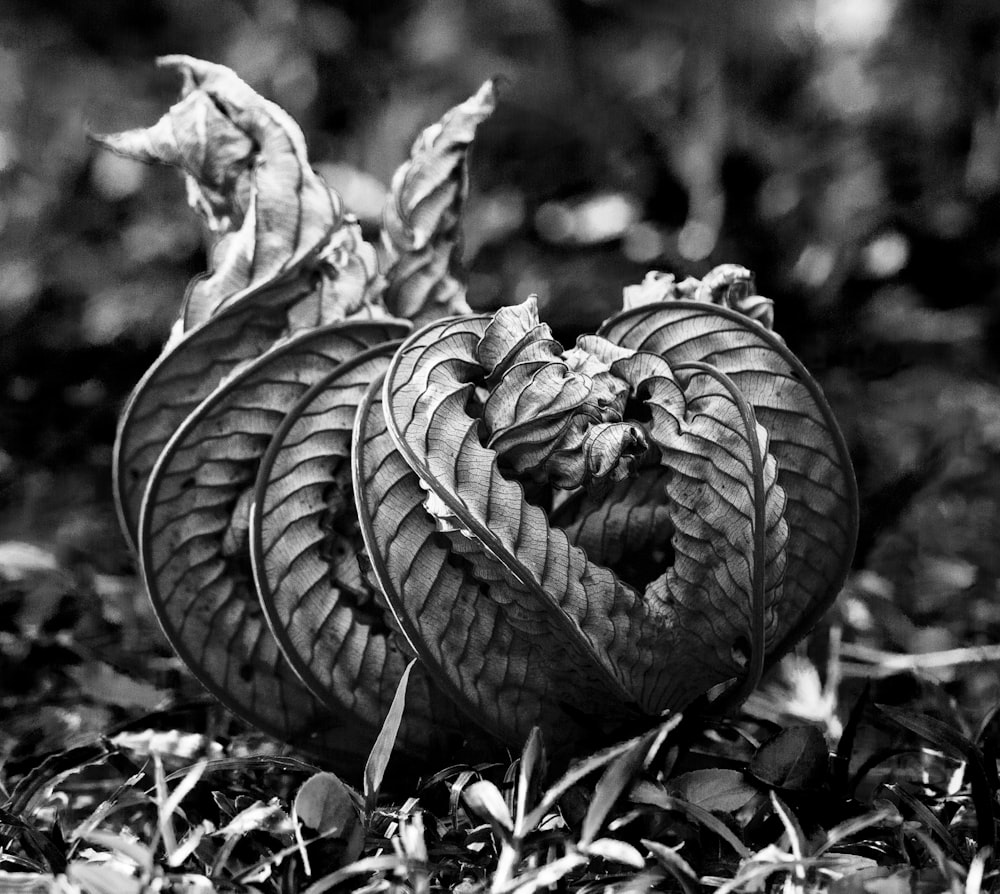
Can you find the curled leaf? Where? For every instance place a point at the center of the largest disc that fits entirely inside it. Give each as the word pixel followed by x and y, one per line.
pixel 195 557
pixel 248 175
pixel 705 487
pixel 330 621
pixel 728 285
pixel 420 235
pixel 181 378
pixel 544 417
pixel 571 541
pixel 548 616
pixel 813 464
pixel 628 525
pixel 419 575
pixel 191 367
pixel 731 285
pixel 285 259
pixel 724 586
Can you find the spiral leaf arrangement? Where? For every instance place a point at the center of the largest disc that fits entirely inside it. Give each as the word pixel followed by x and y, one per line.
pixel 576 539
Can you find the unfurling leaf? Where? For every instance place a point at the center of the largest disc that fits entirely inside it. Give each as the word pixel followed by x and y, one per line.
pixel 390 500
pixel 203 595
pixel 191 367
pixel 580 640
pixel 420 224
pixel 333 627
pixel 497 586
pixel 571 542
pixel 254 335
pixel 813 464
pixel 545 418
pixel 460 397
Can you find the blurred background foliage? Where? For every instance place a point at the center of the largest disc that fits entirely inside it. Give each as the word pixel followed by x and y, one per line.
pixel 848 151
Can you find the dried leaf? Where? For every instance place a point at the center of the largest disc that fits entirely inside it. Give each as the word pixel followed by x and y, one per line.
pixel 420 235
pixel 727 511
pixel 248 175
pixel 557 420
pixel 402 547
pixel 629 526
pixel 728 285
pixel 285 259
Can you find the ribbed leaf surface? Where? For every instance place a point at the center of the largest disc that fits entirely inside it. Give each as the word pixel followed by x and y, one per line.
pixel 722 591
pixel 189 368
pixel 629 524
pixel 502 662
pixel 193 536
pixel 814 467
pixel 420 233
pixel 249 178
pixel 656 645
pixel 543 586
pixel 333 625
pixel 183 376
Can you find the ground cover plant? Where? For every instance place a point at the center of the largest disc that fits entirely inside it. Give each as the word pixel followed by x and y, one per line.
pixel 215 428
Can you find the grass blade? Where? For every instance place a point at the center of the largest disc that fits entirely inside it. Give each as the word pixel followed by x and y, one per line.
pixel 378 760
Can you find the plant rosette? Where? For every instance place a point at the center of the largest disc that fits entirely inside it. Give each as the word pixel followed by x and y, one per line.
pixel 579 540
